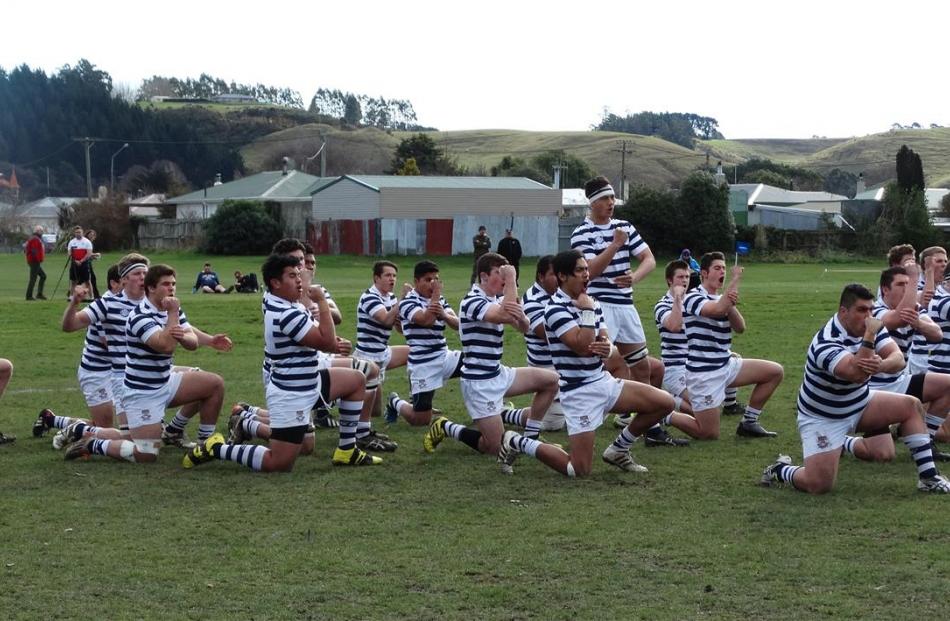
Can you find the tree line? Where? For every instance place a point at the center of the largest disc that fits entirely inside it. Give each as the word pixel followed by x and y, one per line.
pixel 682 128
pixel 207 87
pixel 356 109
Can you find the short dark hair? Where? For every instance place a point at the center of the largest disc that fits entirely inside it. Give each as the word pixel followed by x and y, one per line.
pixel 672 266
pixel 156 273
pixel 207 265
pixel 544 264
pixel 565 262
pixel 424 267
pixel 594 185
pixel 308 249
pixel 887 276
pixel 274 266
pixel 852 293
pixel 897 253
pixel 489 261
pixel 482 228
pixel 707 260
pixel 288 245
pixel 379 265
pixel 113 273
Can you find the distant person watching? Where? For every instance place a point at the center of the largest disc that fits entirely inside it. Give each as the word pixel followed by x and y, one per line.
pixel 481 244
pixel 80 253
pixel 208 282
pixel 244 283
pixel 687 257
pixel 91 236
pixel 35 254
pixel 510 248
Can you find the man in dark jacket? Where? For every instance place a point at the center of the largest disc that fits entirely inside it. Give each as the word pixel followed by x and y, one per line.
pixel 510 248
pixel 35 254
pixel 481 243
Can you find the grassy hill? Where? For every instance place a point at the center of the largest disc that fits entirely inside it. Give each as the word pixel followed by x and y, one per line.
pixel 653 161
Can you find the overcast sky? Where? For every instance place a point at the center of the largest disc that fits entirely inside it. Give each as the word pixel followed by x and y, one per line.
pixel 763 69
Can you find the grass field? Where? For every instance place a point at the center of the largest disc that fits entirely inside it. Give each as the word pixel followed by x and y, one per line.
pixel 446 536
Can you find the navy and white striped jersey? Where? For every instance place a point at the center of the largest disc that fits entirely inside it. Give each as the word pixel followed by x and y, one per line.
pixel 534 301
pixel 673 345
pixel 939 359
pixel 709 339
pixel 95 351
pixel 482 341
pixel 573 370
pixel 109 314
pixel 425 342
pixel 901 336
pixel 591 239
pixel 145 368
pixel 292 367
pixel 372 337
pixel 920 347
pixel 824 395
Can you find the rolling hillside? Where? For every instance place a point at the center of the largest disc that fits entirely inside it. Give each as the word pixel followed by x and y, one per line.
pixel 650 160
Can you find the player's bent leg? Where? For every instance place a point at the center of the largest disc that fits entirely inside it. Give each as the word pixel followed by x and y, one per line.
pixel 492 429
pixel 148 441
pixel 102 415
pixel 204 387
pixel 764 374
pixel 542 382
pixel 819 473
pixel 581 454
pixel 657 370
pixel 280 456
pixel 309 441
pixel 616 365
pixel 706 424
pixel 635 355
pixel 651 404
pixel 399 356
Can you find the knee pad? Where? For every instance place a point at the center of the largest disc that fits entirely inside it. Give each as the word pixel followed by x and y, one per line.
pixel 127 450
pixel 366 367
pixel 636 356
pixel 150 447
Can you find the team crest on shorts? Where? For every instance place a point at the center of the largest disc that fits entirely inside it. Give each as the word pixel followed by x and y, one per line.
pixel 300 415
pixel 102 393
pixel 422 383
pixel 585 420
pixel 822 441
pixel 490 405
pixel 146 415
pixel 707 400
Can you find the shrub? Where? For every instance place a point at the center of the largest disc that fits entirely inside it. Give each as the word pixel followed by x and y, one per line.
pixel 241 227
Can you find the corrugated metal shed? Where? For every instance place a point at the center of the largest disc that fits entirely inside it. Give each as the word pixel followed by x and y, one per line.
pixel 264 186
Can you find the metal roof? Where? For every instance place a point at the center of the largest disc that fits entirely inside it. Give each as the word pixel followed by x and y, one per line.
pixel 271 185
pixel 760 193
pixel 379 182
pixel 47 207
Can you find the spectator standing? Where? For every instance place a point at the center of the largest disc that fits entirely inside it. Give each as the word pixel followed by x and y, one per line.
pixel 481 243
pixel 80 253
pixel 35 254
pixel 510 248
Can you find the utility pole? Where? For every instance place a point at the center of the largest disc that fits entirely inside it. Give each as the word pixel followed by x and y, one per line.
pixel 623 168
pixel 87 143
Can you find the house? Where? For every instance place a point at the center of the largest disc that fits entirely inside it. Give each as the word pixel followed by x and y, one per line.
pixel 423 215
pixel 758 203
pixel 932 196
pixel 43 212
pixel 147 206
pixel 289 191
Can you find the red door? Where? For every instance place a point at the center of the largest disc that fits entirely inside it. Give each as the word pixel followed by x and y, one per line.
pixel 439 237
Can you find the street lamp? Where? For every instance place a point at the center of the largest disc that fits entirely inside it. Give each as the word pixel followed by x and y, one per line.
pixel 112 168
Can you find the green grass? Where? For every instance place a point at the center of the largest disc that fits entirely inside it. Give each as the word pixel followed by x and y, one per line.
pixel 776 149
pixel 447 536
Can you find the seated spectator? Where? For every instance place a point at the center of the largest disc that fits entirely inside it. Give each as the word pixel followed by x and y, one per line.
pixel 244 283
pixel 207 281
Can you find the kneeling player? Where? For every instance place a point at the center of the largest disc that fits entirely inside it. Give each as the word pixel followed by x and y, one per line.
pixel 835 400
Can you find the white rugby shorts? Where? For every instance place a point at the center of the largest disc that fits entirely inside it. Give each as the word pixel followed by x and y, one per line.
pixel 585 406
pixel 485 398
pixel 623 323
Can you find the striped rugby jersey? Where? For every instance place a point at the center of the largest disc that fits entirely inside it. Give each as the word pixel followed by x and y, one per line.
pixel 920 347
pixel 939 359
pixel 95 351
pixel 534 301
pixel 673 345
pixel 372 337
pixel 591 239
pixel 109 314
pixel 902 336
pixel 824 395
pixel 292 367
pixel 482 341
pixel 709 339
pixel 573 370
pixel 425 342
pixel 145 368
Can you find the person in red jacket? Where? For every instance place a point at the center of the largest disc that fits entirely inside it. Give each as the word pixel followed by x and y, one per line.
pixel 35 253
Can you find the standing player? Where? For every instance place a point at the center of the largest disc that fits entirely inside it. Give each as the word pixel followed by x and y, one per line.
pixel 295 380
pixel 154 330
pixel 609 245
pixel 424 314
pixel 376 313
pixel 80 254
pixel 835 400
pixel 485 381
pixel 711 367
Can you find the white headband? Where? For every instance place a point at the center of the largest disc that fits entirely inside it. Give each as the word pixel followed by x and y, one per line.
pixel 128 270
pixel 607 190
